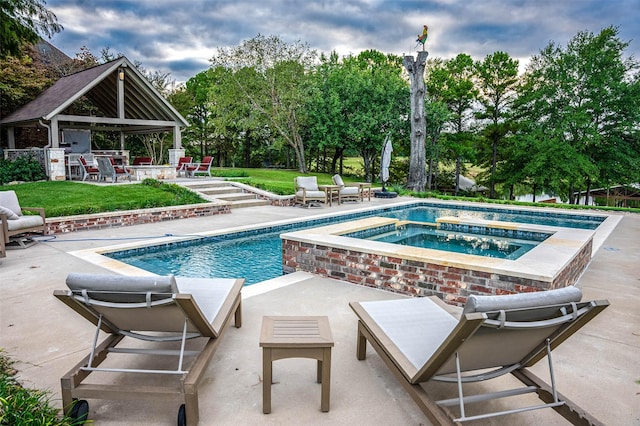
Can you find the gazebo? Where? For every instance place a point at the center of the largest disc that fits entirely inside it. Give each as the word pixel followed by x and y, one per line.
pixel 113 96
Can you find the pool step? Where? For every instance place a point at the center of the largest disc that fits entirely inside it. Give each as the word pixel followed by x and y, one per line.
pixel 221 190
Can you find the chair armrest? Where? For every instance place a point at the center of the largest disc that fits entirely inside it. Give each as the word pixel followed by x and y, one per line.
pixel 39 210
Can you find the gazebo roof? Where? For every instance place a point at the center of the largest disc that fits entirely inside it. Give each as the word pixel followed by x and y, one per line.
pixel 143 106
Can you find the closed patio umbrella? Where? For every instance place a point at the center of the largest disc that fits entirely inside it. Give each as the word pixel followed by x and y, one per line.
pixel 385 161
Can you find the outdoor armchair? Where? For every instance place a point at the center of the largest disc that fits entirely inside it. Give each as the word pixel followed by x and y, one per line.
pixel 16 226
pixel 183 164
pixel 307 190
pixel 347 192
pixel 108 170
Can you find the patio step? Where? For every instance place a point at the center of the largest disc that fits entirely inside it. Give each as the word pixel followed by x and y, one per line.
pixel 221 190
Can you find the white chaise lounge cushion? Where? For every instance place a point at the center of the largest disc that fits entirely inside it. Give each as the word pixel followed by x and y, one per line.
pixel 9 200
pixel 417 326
pixel 522 300
pixel 337 179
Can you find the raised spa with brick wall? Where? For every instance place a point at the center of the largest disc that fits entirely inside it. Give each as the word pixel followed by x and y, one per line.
pixel 556 262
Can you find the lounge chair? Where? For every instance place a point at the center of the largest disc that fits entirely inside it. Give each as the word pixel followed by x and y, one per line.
pixel 307 190
pixel 17 227
pixel 347 192
pixel 183 164
pixel 108 169
pixel 158 309
pixel 421 342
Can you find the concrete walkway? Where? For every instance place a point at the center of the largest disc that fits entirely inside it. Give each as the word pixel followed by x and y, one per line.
pixel 598 367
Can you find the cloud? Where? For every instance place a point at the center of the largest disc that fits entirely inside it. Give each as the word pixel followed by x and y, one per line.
pixel 180 37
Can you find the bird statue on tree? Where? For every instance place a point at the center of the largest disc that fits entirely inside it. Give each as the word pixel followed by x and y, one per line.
pixel 422 38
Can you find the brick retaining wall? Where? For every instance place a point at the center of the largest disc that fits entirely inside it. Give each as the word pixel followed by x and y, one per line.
pixel 417 278
pixel 60 225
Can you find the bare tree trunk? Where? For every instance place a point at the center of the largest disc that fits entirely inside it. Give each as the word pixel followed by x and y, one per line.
pixel 417 162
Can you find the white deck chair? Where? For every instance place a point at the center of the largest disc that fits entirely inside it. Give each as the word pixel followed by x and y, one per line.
pixel 496 335
pixel 161 310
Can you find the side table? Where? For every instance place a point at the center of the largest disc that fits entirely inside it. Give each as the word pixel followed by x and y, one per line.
pixel 365 187
pixel 296 337
pixel 330 190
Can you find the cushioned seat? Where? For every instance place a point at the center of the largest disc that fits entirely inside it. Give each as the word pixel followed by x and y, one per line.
pixel 351 192
pixel 15 225
pixel 307 190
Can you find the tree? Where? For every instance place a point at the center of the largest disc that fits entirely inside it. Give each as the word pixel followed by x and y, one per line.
pixel 585 96
pixel 22 23
pixel 356 103
pixel 451 82
pixel 276 87
pixel 21 80
pixel 497 77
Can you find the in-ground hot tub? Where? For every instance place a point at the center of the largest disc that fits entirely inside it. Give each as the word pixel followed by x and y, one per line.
pixel 332 251
pixel 481 241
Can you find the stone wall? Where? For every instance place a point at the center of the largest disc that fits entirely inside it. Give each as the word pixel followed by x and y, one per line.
pixel 60 225
pixel 417 278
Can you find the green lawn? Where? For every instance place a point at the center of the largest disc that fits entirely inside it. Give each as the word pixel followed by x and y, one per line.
pixel 69 198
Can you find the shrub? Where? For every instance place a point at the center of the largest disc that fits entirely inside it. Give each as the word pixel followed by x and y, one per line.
pixel 22 406
pixel 24 169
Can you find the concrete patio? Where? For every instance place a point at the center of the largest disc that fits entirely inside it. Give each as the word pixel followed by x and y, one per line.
pixel 597 368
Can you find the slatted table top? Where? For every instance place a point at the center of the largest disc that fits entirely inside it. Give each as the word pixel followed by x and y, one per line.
pixel 296 332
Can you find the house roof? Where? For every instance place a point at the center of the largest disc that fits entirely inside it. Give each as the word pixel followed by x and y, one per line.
pixel 99 85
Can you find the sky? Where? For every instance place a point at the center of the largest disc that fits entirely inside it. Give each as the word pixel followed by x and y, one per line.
pixel 180 37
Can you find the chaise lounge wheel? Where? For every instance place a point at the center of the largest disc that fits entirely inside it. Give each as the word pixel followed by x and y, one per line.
pixel 182 416
pixel 80 411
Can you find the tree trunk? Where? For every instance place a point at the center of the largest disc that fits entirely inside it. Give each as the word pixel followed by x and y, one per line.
pixel 417 162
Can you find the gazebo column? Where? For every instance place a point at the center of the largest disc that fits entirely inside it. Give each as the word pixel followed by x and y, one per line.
pixel 55 163
pixel 177 151
pixel 174 156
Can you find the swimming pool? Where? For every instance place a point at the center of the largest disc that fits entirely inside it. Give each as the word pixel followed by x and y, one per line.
pixel 256 254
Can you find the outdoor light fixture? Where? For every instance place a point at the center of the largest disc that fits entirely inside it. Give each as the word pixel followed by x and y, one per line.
pixel 121 74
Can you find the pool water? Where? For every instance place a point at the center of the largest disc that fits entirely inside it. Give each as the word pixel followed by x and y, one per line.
pixel 415 235
pixel 257 255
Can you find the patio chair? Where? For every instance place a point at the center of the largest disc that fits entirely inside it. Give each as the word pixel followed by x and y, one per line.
pixel 202 168
pixel 183 163
pixel 349 192
pixel 17 227
pixel 107 169
pixel 495 335
pixel 163 311
pixel 307 190
pixel 88 170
